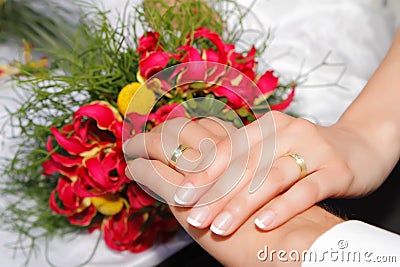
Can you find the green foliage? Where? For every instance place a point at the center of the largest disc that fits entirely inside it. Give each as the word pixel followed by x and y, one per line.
pixel 177 19
pixel 95 68
pixel 23 19
pixel 94 64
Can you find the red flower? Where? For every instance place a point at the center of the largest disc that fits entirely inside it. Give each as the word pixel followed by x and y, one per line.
pixel 285 103
pixel 245 64
pixel 125 231
pixel 92 149
pixel 152 62
pixel 149 42
pixel 167 112
pixel 237 88
pixel 138 198
pixel 189 54
pixel 121 231
pixel 106 172
pixel 267 83
pixel 75 208
pixel 214 38
pixel 137 121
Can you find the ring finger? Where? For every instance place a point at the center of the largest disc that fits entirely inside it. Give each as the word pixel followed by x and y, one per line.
pixel 165 143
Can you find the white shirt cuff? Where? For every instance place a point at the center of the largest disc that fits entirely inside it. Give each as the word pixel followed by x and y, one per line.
pixel 354 243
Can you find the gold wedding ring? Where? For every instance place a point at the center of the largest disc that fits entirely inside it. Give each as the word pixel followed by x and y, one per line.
pixel 178 152
pixel 300 163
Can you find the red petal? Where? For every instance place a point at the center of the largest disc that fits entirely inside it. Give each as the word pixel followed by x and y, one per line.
pixel 189 53
pixel 100 170
pixel 66 161
pixel 138 198
pixel 134 124
pixel 120 231
pixel 153 62
pixel 144 241
pixel 66 196
pixel 168 112
pixel 54 206
pixel 267 82
pixel 71 145
pixel 190 73
pixel 83 218
pixel 210 55
pixel 284 104
pixel 241 62
pixel 215 38
pixel 102 112
pixel 50 167
pixel 149 42
pixel 234 99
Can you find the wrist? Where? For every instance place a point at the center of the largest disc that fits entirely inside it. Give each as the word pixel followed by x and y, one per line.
pixel 369 142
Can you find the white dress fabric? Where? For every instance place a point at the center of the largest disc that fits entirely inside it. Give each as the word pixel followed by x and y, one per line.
pixel 358 32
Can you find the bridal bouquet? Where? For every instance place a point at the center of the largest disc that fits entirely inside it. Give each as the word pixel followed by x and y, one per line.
pixel 68 173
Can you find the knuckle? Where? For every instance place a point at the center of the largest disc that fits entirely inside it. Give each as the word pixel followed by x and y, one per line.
pixel 154 139
pixel 303 125
pixel 344 173
pixel 276 114
pixel 277 176
pixel 179 121
pixel 343 169
pixel 174 125
pixel 311 189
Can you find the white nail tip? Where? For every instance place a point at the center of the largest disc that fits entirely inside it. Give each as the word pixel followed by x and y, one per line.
pixel 259 223
pixel 193 222
pixel 179 201
pixel 216 230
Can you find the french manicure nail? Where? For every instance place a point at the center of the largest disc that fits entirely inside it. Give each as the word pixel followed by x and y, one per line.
pixel 198 216
pixel 185 194
pixel 222 223
pixel 265 219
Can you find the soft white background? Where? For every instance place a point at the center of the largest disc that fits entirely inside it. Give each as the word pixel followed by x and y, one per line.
pixel 358 32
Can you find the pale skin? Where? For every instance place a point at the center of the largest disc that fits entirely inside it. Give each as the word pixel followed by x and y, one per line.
pixel 351 158
pixel 242 248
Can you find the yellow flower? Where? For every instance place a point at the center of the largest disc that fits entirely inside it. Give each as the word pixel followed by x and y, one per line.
pixel 109 204
pixel 137 98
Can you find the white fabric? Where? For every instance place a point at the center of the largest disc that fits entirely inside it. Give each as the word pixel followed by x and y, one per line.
pixel 358 32
pixel 354 244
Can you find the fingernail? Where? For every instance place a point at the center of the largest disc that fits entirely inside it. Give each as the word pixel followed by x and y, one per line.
pixel 265 219
pixel 198 216
pixel 125 144
pixel 185 194
pixel 222 223
pixel 128 173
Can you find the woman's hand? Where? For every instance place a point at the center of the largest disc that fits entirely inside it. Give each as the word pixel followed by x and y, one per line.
pixel 239 169
pixel 337 163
